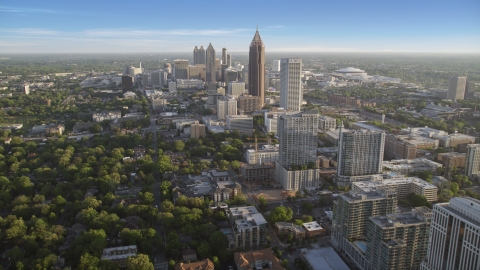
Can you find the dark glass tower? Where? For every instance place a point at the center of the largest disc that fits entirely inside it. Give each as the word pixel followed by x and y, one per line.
pixel 210 63
pixel 256 68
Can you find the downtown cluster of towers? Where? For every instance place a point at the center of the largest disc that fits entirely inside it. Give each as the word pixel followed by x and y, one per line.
pixel 291 94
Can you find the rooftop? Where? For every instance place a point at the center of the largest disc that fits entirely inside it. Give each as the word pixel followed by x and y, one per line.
pixel 417 216
pixel 245 260
pixel 312 226
pixel 349 70
pixel 324 259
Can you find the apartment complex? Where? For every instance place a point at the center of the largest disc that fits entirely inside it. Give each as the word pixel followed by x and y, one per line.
pixel 197 130
pixel 398 241
pixel 258 259
pixel 402 186
pixel 350 101
pixel 266 154
pixel 258 172
pixel 472 162
pixel 291 94
pixel 226 107
pixel 406 166
pixel 106 115
pixel 360 153
pixel 119 255
pixel 249 227
pixel 454 235
pixel 326 122
pixel 236 88
pixel 452 159
pixel 397 147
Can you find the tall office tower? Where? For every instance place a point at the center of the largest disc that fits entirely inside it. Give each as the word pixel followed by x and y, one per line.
pixel 236 88
pixel 248 104
pixel 469 89
pixel 127 83
pixel 26 89
pixel 360 152
pixel 267 80
pixel 229 60
pixel 163 77
pixel 472 162
pixel 454 235
pixel 456 88
pixel 276 66
pixel 298 136
pixel 126 70
pixel 226 107
pixel 210 65
pixel 291 94
pixel 155 79
pixel 398 241
pixel 224 56
pixel 223 70
pixel 256 68
pixel 199 56
pixel 181 69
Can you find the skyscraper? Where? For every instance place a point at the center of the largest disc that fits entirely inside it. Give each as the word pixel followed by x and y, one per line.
pixel 199 56
pixel 229 60
pixel 295 168
pixel 210 65
pixel 256 68
pixel 454 235
pixel 291 94
pixel 276 66
pixel 226 107
pixel 181 69
pixel 360 152
pixel 456 88
pixel 224 56
pixel 472 162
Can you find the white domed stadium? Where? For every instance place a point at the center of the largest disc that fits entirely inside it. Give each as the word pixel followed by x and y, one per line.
pixel 351 71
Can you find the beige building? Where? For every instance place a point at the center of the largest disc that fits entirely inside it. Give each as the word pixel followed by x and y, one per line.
pixel 259 259
pixel 236 88
pixel 197 72
pixel 248 104
pixel 181 69
pixel 197 130
pixel 452 159
pixel 396 147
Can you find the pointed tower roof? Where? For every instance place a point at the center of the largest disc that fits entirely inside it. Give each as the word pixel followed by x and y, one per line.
pixel 257 40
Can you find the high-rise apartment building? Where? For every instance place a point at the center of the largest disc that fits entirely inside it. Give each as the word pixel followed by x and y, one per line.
pixel 472 161
pixel 26 89
pixel 199 56
pixel 226 107
pixel 298 139
pixel 295 168
pixel 256 68
pixel 276 66
pixel 210 65
pixel 181 69
pixel 360 152
pixel 249 227
pixel 291 94
pixel 454 235
pixel 398 241
pixel 456 88
pixel 197 130
pixel 236 88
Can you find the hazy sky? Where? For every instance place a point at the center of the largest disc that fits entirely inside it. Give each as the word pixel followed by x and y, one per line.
pixel 298 26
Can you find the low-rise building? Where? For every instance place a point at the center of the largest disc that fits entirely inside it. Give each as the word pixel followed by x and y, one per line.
pixel 119 255
pixel 106 115
pixel 264 172
pixel 406 166
pixel 452 159
pixel 259 259
pixel 206 264
pixel 323 259
pixel 189 255
pixel 402 186
pixel 313 229
pixel 453 140
pixel 326 122
pixel 51 129
pixel 289 228
pixel 242 123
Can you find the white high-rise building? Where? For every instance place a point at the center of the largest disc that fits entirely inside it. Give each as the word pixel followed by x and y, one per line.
pixel 226 107
pixel 26 89
pixel 291 94
pixel 472 162
pixel 454 236
pixel 236 88
pixel 276 66
pixel 360 152
pixel 456 88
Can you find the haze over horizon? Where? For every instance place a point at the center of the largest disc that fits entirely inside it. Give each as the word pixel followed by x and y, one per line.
pixel 308 26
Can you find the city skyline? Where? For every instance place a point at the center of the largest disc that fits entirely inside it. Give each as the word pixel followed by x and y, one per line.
pixel 373 26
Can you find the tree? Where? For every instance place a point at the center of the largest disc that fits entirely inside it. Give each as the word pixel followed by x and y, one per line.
pixel 454 187
pixel 307 207
pixel 262 204
pixel 178 146
pixel 88 262
pixel 203 250
pixel 280 214
pixel 139 262
pixel 171 265
pixel 216 261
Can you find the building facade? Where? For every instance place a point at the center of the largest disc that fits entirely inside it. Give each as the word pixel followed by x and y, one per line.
pixel 249 227
pixel 226 107
pixel 256 68
pixel 326 122
pixel 197 130
pixel 456 88
pixel 276 66
pixel 242 123
pixel 360 152
pixel 181 68
pixel 199 56
pixel 236 88
pixel 210 65
pixel 454 235
pixel 248 104
pixel 472 162
pixel 291 94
